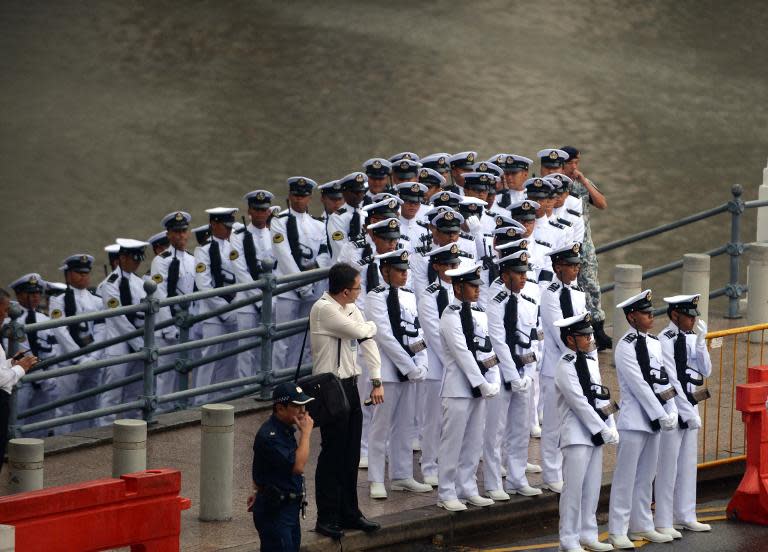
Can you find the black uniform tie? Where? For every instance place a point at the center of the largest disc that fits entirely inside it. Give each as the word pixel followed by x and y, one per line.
pixel 372 276
pixel 354 225
pixel 442 300
pixel 126 298
pixel 566 305
pixel 506 199
pixel 34 345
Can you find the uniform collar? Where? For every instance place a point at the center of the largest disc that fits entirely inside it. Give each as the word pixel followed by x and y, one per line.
pixel 283 426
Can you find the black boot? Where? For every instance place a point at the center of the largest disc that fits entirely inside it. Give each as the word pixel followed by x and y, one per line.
pixel 602 340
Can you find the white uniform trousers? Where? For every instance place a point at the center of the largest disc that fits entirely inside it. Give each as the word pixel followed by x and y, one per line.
pixel 551 457
pixel 217 371
pixel 630 508
pixel 535 397
pixel 675 487
pixel 249 362
pixel 582 474
pixel 431 405
pixel 507 430
pixel 460 447
pixel 66 386
pixel 167 382
pixel 123 394
pixel 390 423
pixel 31 395
pixel 87 380
pixel 285 352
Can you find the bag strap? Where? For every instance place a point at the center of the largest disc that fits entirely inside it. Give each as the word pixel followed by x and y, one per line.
pixel 301 353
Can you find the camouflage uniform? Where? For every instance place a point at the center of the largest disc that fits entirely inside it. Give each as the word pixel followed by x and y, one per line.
pixel 588 279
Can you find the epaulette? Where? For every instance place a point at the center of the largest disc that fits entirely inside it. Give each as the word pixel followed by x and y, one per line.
pixel 497 281
pixel 283 214
pixel 365 260
pixel 564 222
pixel 464 254
pixel 556 225
pixel 454 307
pixel 669 333
pixel 531 299
pixel 422 224
pixel 317 218
pixel 466 236
pixel 690 332
pixel 501 296
pixel 653 337
pixel 545 244
pixel 554 286
pixel 240 230
pixel 379 289
pixel 341 211
pixel 359 243
pixel 407 290
pixel 165 254
pixel 432 288
pixel 569 357
pixel 405 237
pixel 574 194
pixel 478 308
pixel 112 277
pixel 423 250
pixel 573 212
pixel 630 338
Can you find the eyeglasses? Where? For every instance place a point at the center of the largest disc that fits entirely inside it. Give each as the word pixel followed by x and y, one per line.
pixel 358 288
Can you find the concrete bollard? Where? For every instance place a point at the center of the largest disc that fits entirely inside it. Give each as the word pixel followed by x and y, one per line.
pixel 217 462
pixel 7 538
pixel 25 463
pixel 762 212
pixel 757 280
pixel 696 280
pixel 129 446
pixel 629 281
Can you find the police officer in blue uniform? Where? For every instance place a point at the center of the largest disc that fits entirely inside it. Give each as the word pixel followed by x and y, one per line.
pixel 278 470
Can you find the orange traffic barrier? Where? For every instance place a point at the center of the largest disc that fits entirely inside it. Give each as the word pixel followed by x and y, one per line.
pixel 750 501
pixel 141 510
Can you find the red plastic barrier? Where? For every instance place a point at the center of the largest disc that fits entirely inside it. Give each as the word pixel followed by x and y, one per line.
pixel 750 501
pixel 141 510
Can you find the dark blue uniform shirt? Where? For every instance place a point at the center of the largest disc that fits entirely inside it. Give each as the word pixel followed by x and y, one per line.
pixel 274 453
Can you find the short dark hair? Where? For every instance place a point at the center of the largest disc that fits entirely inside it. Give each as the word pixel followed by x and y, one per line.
pixel 4 294
pixel 572 152
pixel 340 277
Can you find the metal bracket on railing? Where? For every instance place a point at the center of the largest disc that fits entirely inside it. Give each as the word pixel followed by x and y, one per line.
pixel 150 403
pixel 735 249
pixel 736 205
pixel 734 291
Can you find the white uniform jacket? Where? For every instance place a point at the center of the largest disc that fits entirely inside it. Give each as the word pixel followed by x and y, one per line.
pixel 525 351
pixel 184 285
pixel 120 325
pixel 551 312
pixel 429 317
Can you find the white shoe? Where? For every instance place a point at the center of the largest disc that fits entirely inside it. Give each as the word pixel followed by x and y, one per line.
pixel 536 431
pixel 416 445
pixel 597 546
pixel 621 541
pixel 409 485
pixel 579 549
pixel 671 531
pixel 503 471
pixel 431 480
pixel 363 464
pixel 556 487
pixel 652 536
pixel 526 490
pixel 479 501
pixel 452 505
pixel 693 526
pixel 378 490
pixel 532 468
pixel 497 495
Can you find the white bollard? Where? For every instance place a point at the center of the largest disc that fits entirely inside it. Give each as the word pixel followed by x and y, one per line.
pixel 757 280
pixel 217 447
pixel 7 538
pixel 129 446
pixel 25 463
pixel 629 280
pixel 762 212
pixel 696 280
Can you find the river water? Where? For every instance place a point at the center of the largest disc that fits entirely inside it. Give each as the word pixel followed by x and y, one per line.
pixel 115 113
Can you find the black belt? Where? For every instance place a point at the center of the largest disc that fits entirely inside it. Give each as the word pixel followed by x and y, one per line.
pixel 350 380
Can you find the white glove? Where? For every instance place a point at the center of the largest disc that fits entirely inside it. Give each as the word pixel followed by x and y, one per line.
pixel 610 436
pixel 518 385
pixel 489 390
pixel 525 383
pixel 668 422
pixel 701 333
pixel 473 224
pixel 417 374
pixel 694 423
pixel 305 291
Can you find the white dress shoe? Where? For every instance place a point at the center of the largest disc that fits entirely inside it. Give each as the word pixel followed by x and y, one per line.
pixel 363 464
pixel 452 505
pixel 532 468
pixel 536 431
pixel 652 536
pixel 621 542
pixel 579 549
pixel 556 487
pixel 526 490
pixel 479 501
pixel 409 485
pixel 597 546
pixel 431 480
pixel 671 531
pixel 503 471
pixel 378 490
pixel 497 495
pixel 693 526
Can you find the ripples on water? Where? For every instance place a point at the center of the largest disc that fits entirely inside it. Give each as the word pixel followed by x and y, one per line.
pixel 112 114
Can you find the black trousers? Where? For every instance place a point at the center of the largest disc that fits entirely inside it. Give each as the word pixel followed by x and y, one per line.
pixel 336 474
pixel 279 530
pixel 5 413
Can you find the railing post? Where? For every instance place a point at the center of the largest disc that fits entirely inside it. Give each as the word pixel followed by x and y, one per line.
pixel 15 335
pixel 629 279
pixel 150 351
pixel 217 447
pixel 129 446
pixel 182 322
pixel 266 322
pixel 733 289
pixel 757 281
pixel 25 463
pixel 696 279
pixel 762 212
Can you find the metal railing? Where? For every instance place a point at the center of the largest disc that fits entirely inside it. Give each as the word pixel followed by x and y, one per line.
pixel 262 336
pixel 732 351
pixel 734 248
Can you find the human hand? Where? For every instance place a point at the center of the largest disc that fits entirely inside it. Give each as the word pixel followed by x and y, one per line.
pixel 251 501
pixel 668 422
pixel 377 395
pixel 304 422
pixel 26 362
pixel 694 423
pixel 610 436
pixel 419 373
pixel 473 224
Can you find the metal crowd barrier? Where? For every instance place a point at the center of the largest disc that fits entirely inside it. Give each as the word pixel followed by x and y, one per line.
pixel 732 351
pixel 263 334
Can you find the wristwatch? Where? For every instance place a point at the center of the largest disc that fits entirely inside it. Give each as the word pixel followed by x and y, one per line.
pixel 376 382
